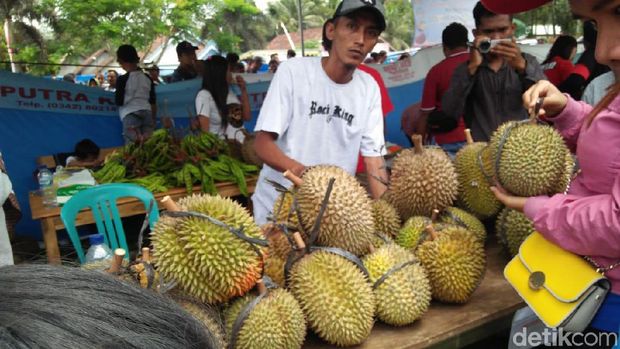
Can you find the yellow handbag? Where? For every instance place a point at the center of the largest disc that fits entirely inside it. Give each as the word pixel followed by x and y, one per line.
pixel 562 288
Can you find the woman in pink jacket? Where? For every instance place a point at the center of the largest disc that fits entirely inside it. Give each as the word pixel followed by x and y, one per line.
pixel 586 220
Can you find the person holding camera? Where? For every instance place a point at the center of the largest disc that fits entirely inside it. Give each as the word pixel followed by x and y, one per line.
pixel 487 89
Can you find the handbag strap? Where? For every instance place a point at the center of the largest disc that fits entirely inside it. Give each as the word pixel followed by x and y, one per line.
pixel 600 269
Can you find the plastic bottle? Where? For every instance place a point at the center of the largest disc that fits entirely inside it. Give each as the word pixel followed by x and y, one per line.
pixel 46 181
pixel 98 250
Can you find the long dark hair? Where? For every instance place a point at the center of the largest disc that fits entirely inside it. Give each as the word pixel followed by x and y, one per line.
pixel 215 81
pixel 562 47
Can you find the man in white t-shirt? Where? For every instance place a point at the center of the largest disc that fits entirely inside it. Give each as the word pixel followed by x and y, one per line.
pixel 324 110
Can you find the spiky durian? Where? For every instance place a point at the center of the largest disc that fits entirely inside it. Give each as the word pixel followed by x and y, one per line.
pixel 282 212
pixel 247 150
pixel 208 261
pixel 512 228
pixel 207 316
pixel 277 321
pixel 455 262
pixel 454 215
pixel 413 232
pixel 387 221
pixel 335 296
pixel 422 180
pixel 474 170
pixel 532 159
pixel 274 268
pixel 379 240
pixel 347 222
pixel 405 294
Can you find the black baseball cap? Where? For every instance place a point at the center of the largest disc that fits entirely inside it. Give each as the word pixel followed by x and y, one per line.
pixel 349 6
pixel 185 46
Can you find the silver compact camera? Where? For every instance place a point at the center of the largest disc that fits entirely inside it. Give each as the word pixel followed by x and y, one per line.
pixel 486 45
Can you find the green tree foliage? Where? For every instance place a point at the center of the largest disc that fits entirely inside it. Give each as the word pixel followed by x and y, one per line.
pixel 314 13
pixel 556 12
pixel 399 19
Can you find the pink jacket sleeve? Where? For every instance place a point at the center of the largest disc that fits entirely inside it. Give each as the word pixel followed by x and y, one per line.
pixel 584 225
pixel 570 120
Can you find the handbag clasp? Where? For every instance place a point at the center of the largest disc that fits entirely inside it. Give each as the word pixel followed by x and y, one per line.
pixel 537 280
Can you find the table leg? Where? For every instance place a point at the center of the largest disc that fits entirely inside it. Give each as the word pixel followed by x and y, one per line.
pixel 51 241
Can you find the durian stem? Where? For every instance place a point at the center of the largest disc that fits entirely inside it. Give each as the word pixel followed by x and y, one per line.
pixel 260 286
pixel 435 215
pixel 117 260
pixel 288 174
pixel 371 248
pixel 169 204
pixel 418 147
pixel 470 139
pixel 146 254
pixel 299 241
pixel 431 231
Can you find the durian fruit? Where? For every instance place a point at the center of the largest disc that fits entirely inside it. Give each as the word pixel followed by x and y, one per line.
pixel 282 212
pixel 379 240
pixel 279 245
pixel 207 316
pixel 347 222
pixel 512 228
pixel 474 170
pixel 207 261
pixel 274 268
pixel 422 180
pixel 387 221
pixel 277 321
pixel 456 216
pixel 532 159
pixel 405 295
pixel 335 296
pixel 455 262
pixel 413 232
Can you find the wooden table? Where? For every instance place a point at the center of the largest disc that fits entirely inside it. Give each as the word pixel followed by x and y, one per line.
pixel 489 311
pixel 50 217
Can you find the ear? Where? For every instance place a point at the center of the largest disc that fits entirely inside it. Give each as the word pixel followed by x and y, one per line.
pixel 330 28
pixel 475 32
pixel 513 27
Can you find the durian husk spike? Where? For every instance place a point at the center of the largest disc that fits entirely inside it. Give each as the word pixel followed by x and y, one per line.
pixel 417 144
pixel 432 232
pixel 169 204
pixel 470 139
pixel 435 216
pixel 371 248
pixel 146 254
pixel 288 174
pixel 117 261
pixel 299 241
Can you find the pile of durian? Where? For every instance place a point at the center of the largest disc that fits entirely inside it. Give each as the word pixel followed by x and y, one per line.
pixel 334 262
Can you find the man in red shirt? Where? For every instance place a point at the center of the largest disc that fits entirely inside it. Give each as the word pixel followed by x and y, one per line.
pixel 447 133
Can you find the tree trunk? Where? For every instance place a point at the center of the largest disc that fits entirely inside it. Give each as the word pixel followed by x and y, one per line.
pixel 7 36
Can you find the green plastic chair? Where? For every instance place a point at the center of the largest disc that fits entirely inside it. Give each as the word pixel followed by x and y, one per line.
pixel 101 200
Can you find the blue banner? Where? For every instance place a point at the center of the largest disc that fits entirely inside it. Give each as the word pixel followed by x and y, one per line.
pixel 44 117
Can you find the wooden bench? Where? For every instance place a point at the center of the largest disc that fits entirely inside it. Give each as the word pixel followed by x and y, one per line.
pixel 50 162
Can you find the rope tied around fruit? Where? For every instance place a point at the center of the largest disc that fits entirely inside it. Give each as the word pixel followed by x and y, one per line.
pixel 392 271
pixel 172 210
pixel 263 286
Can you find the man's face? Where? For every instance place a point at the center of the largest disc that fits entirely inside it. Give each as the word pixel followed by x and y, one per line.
pixel 605 16
pixel 112 78
pixel 353 37
pixel 187 58
pixel 495 27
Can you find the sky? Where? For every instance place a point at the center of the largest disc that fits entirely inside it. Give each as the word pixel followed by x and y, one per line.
pixel 262 4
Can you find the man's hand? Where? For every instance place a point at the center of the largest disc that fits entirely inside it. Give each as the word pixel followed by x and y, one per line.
pixel 512 54
pixel 240 82
pixel 475 57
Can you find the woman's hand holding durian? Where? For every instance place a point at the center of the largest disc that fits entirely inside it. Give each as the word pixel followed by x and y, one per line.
pixel 553 103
